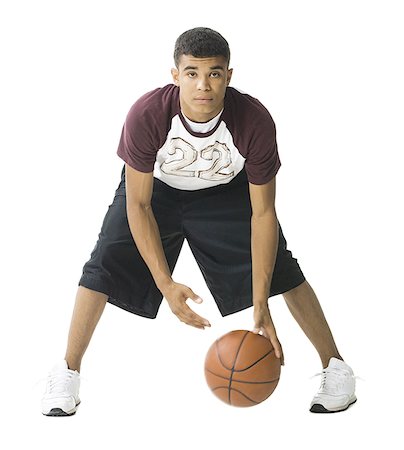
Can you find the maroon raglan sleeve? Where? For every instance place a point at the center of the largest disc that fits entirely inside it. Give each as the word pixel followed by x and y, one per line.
pixel 262 162
pixel 140 137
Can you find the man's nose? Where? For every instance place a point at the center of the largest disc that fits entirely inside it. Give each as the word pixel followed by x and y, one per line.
pixel 203 84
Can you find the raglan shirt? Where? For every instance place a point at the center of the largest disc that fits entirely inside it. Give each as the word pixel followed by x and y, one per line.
pixel 157 138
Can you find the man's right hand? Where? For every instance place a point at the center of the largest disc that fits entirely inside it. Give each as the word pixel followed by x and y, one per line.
pixel 176 295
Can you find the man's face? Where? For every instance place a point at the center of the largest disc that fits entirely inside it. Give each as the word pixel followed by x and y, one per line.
pixel 202 83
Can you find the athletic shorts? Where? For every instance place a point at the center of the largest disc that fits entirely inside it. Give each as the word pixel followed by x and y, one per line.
pixel 216 222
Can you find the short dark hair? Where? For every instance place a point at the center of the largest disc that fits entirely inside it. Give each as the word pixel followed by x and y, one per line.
pixel 201 43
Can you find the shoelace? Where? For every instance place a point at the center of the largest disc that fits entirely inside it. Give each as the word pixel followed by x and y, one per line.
pixel 332 380
pixel 58 381
pixel 41 382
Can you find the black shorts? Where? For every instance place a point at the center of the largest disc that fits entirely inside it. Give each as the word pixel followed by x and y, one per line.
pixel 216 222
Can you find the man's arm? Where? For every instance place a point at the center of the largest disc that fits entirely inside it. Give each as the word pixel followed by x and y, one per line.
pixel 145 232
pixel 143 225
pixel 264 246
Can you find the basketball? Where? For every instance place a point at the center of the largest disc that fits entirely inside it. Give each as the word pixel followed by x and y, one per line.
pixel 241 368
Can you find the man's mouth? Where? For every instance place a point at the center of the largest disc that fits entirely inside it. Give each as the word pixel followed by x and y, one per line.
pixel 203 99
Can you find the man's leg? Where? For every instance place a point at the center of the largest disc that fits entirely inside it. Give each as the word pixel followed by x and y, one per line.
pixel 61 397
pixel 87 311
pixel 337 388
pixel 305 308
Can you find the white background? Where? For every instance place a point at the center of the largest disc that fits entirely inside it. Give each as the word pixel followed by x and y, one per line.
pixel 331 74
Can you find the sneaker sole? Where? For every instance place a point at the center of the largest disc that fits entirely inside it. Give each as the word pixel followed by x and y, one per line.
pixel 58 412
pixel 317 408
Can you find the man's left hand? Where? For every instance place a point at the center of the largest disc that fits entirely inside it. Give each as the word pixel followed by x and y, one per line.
pixel 264 325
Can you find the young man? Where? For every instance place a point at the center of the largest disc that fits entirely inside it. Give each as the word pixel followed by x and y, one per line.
pixel 200 164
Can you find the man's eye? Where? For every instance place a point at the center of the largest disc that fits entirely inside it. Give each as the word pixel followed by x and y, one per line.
pixel 215 74
pixel 191 74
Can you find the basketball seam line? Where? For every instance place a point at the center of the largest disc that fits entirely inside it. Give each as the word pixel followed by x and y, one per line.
pixel 236 390
pixel 242 381
pixel 240 370
pixel 256 362
pixel 234 364
pixel 238 350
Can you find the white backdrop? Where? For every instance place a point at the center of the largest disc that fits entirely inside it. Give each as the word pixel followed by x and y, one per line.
pixel 331 75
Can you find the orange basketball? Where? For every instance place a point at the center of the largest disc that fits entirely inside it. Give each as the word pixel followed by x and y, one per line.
pixel 241 368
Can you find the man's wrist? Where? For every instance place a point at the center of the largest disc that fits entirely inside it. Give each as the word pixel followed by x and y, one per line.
pixel 163 283
pixel 261 302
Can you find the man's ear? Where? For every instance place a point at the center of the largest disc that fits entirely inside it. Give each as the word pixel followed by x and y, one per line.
pixel 229 75
pixel 175 74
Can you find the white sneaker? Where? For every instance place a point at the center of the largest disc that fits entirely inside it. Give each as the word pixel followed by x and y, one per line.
pixel 337 389
pixel 61 397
